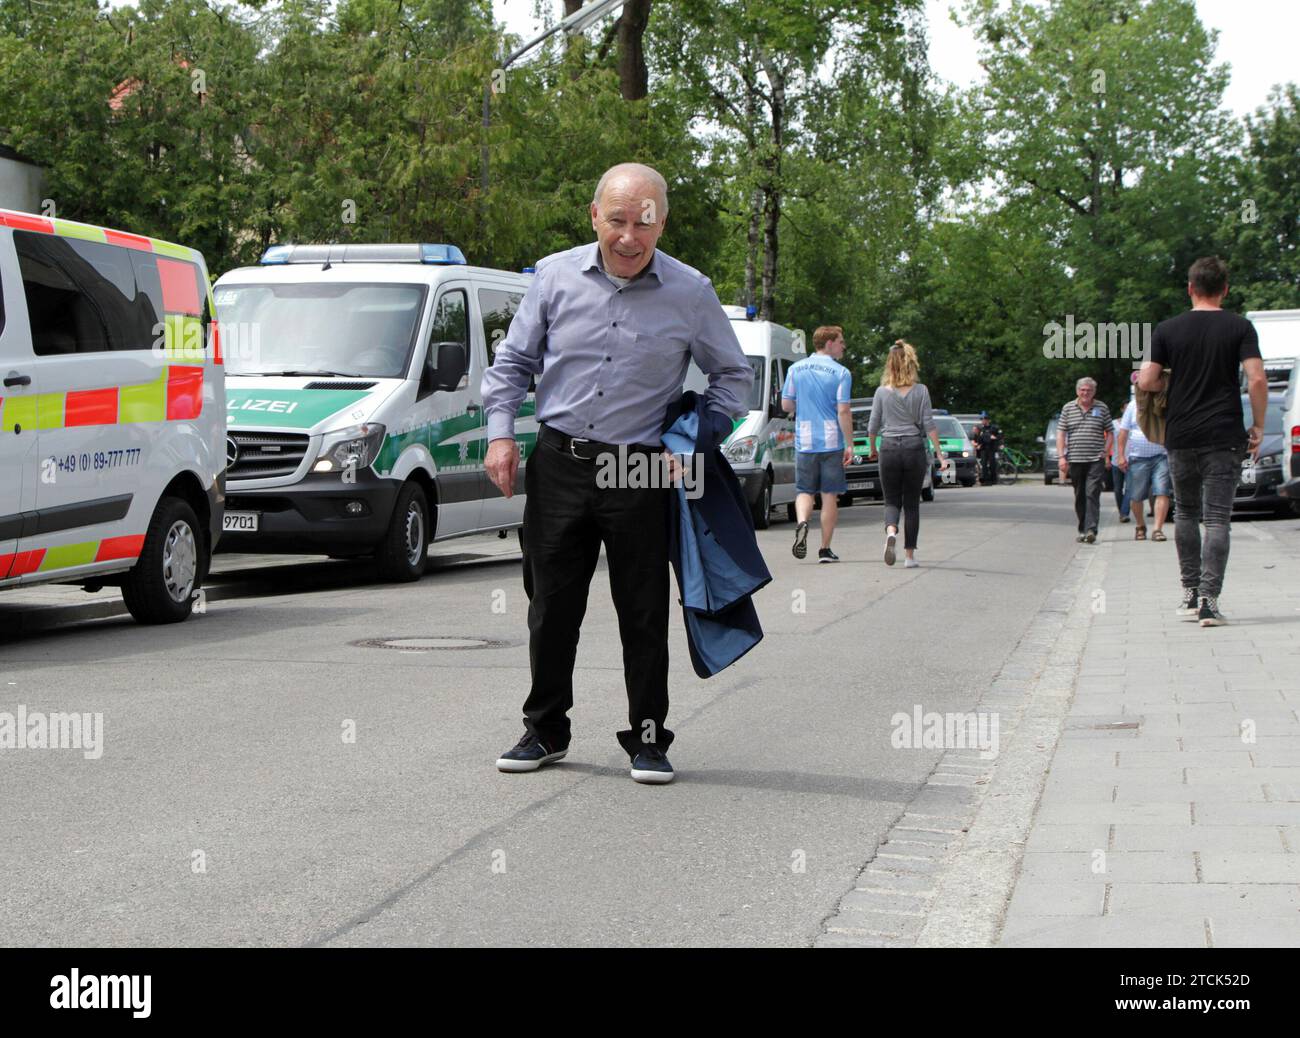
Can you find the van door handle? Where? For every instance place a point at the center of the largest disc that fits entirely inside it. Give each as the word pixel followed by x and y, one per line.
pixel 15 379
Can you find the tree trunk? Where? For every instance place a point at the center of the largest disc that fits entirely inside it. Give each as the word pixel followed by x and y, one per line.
pixel 772 186
pixel 633 77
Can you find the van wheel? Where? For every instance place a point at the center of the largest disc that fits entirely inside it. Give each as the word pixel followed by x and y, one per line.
pixel 762 510
pixel 927 493
pixel 159 588
pixel 790 513
pixel 404 551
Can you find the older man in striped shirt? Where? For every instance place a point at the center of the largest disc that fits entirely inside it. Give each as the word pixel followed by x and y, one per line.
pixel 1084 436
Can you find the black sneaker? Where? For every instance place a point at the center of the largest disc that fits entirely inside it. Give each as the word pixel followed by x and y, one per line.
pixel 800 548
pixel 1090 537
pixel 1209 616
pixel 651 766
pixel 529 754
pixel 826 555
pixel 1188 606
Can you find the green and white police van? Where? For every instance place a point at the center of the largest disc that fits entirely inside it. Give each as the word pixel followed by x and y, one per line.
pixel 354 402
pixel 761 447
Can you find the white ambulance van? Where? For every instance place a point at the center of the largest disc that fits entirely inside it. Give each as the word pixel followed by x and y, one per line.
pixel 112 414
pixel 760 449
pixel 354 401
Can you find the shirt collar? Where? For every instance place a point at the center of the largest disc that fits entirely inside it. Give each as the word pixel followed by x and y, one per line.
pixel 592 260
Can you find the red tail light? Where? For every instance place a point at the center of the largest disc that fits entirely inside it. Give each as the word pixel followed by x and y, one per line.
pixel 1295 439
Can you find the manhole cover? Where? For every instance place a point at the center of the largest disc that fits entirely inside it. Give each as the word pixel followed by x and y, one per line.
pixel 447 641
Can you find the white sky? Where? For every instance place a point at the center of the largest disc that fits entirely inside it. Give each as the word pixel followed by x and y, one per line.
pixel 1256 37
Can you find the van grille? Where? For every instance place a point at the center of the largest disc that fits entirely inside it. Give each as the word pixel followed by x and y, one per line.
pixel 339 385
pixel 266 454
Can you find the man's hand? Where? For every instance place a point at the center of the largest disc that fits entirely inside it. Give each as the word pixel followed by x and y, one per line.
pixel 1064 467
pixel 502 465
pixel 848 455
pixel 1122 463
pixel 674 464
pixel 1255 438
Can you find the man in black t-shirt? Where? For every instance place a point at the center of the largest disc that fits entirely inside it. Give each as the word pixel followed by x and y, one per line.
pixel 1203 348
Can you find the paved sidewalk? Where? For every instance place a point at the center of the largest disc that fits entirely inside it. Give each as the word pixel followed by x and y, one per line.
pixel 1171 812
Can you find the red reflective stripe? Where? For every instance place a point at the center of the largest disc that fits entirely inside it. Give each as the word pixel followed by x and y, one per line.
pixel 216 343
pixel 26 562
pixel 130 241
pixel 5 562
pixel 180 287
pixel 24 222
pixel 184 393
pixel 120 548
pixel 90 407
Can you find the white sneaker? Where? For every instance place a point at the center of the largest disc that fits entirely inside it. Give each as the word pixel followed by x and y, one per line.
pixel 910 564
pixel 890 539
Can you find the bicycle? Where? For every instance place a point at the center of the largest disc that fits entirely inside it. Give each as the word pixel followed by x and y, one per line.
pixel 1008 469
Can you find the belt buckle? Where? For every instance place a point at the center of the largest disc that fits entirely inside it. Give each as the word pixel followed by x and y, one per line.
pixel 574 440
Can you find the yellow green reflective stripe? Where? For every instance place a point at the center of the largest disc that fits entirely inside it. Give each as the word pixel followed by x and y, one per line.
pixel 69 229
pixel 147 403
pixel 183 337
pixel 18 411
pixel 49 411
pixel 69 555
pixel 166 248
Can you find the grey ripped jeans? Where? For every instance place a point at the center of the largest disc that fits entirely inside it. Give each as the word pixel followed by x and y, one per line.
pixel 1205 482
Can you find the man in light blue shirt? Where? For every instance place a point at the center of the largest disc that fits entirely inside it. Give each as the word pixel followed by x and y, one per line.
pixel 817 391
pixel 608 329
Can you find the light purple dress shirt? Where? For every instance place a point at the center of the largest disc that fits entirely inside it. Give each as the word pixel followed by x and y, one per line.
pixel 611 360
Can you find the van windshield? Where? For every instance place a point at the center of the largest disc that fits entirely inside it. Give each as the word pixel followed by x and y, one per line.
pixel 319 329
pixel 755 401
pixel 949 428
pixel 1272 416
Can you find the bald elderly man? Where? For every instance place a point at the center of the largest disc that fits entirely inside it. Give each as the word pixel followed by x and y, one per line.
pixel 609 329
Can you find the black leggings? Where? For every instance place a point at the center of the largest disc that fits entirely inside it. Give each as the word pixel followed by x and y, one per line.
pixel 902 471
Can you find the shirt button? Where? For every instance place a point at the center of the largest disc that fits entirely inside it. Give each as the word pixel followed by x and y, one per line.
pixel 591 427
pixel 609 358
pixel 600 392
pixel 614 324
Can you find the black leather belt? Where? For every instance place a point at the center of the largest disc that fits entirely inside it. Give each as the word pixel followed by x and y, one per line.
pixel 585 449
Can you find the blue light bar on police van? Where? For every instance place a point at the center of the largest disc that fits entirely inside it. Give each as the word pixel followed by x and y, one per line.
pixel 441 255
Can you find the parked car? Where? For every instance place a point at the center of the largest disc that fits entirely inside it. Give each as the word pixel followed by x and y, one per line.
pixel 1262 478
pixel 959 450
pixel 112 415
pixel 1051 459
pixel 863 475
pixel 760 448
pixel 357 425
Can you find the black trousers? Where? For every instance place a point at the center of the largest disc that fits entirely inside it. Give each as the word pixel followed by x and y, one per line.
pixel 567 517
pixel 988 467
pixel 1087 478
pixel 902 471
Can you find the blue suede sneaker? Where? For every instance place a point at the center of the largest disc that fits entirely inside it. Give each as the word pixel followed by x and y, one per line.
pixel 529 754
pixel 651 765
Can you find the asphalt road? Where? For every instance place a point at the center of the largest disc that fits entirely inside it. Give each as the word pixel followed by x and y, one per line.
pixel 225 746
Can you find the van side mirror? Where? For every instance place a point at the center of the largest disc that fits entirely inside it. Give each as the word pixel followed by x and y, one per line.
pixel 452 363
pixel 1041 440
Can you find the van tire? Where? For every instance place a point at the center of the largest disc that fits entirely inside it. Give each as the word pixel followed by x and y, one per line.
pixel 927 493
pixel 404 552
pixel 791 513
pixel 174 552
pixel 762 509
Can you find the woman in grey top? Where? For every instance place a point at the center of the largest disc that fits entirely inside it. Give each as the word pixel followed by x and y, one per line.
pixel 900 421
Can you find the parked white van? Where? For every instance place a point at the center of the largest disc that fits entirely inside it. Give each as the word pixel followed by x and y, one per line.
pixel 112 414
pixel 760 448
pixel 1279 346
pixel 355 411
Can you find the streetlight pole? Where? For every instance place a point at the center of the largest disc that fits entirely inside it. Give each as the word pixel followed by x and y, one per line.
pixel 572 26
